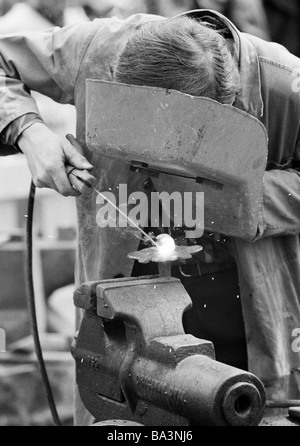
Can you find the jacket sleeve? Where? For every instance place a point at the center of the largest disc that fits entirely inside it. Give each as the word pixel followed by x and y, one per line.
pixel 46 62
pixel 280 211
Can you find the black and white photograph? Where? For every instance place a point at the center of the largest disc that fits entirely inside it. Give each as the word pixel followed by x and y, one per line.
pixel 149 216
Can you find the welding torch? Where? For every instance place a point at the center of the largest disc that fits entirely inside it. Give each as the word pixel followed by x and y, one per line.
pixel 75 175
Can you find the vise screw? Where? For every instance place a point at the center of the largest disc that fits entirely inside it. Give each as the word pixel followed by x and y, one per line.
pixel 135 362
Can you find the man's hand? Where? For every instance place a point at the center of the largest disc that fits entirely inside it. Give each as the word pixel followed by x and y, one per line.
pixel 48 155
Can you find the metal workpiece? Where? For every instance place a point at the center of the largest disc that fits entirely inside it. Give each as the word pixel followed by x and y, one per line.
pixel 134 361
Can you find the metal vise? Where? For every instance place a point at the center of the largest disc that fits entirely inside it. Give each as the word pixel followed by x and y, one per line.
pixel 134 361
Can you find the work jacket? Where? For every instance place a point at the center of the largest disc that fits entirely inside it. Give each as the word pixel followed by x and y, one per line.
pixel 57 64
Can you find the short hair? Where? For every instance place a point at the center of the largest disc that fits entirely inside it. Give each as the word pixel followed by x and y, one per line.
pixel 179 54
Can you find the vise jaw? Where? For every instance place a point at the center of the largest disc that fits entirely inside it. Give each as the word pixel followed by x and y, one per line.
pixel 135 362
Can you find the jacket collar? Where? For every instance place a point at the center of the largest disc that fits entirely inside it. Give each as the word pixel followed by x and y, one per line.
pixel 249 98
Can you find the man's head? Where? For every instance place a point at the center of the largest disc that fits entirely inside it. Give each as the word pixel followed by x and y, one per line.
pixel 180 54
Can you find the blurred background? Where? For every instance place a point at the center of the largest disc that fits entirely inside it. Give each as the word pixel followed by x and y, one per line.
pixel 22 400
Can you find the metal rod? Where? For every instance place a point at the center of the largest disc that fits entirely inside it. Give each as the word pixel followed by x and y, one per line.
pixel 127 218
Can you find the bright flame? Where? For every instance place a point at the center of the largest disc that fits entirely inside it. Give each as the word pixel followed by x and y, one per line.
pixel 166 245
